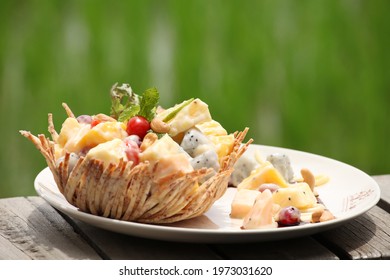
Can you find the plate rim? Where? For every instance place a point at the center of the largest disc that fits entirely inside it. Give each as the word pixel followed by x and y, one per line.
pixel 197 235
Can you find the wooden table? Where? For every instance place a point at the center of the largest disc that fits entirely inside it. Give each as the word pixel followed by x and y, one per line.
pixel 31 229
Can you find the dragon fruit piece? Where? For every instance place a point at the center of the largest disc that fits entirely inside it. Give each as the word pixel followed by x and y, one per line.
pixel 208 159
pixel 282 163
pixel 73 159
pixel 195 142
pixel 243 168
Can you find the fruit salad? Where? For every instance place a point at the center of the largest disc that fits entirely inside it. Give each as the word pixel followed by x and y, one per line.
pixel 145 163
pixel 182 138
pixel 269 195
pixel 142 162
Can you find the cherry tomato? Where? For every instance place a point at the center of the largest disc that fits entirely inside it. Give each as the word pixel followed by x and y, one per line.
pixel 138 125
pixel 95 122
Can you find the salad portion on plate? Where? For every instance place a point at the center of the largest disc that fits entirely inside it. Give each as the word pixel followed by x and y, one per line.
pixel 270 195
pixel 349 193
pixel 178 170
pixel 142 163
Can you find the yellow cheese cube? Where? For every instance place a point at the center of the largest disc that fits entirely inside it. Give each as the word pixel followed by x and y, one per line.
pixel 264 174
pixel 298 195
pixel 242 203
pixel 108 152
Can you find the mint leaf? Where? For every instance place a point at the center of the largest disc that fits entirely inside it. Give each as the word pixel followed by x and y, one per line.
pixel 129 112
pixel 126 104
pixel 123 98
pixel 148 103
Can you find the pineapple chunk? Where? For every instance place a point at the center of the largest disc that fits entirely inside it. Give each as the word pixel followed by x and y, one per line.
pixel 72 144
pixel 70 127
pixel 261 215
pixel 190 115
pixel 75 137
pixel 172 164
pixel 298 195
pixel 211 128
pixel 170 156
pixel 163 147
pixel 217 134
pixel 242 203
pixel 58 151
pixel 223 144
pixel 108 152
pixel 265 173
pixel 101 133
pixel 168 114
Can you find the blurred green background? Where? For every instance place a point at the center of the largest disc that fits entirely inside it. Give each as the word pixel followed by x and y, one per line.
pixel 307 75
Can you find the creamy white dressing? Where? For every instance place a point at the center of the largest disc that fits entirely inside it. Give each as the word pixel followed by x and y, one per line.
pixel 79 138
pixel 194 113
pixel 109 152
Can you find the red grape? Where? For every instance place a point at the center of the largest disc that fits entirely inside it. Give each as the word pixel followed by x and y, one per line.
pixel 87 119
pixel 134 138
pixel 132 151
pixel 289 216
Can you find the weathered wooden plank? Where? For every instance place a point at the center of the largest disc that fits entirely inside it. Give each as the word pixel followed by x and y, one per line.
pixel 304 248
pixel 116 246
pixel 384 184
pixel 366 237
pixel 31 229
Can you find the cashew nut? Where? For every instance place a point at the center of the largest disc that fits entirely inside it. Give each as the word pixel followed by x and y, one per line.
pixel 104 118
pixel 308 178
pixel 326 216
pixel 148 140
pixel 157 125
pixel 316 216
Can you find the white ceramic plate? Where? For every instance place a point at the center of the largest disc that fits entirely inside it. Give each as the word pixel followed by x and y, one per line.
pixel 349 193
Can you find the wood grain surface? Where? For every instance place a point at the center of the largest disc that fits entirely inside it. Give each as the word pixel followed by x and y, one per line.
pixel 31 229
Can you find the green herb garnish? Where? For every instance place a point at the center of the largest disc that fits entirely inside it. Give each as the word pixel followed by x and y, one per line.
pixel 126 104
pixel 149 101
